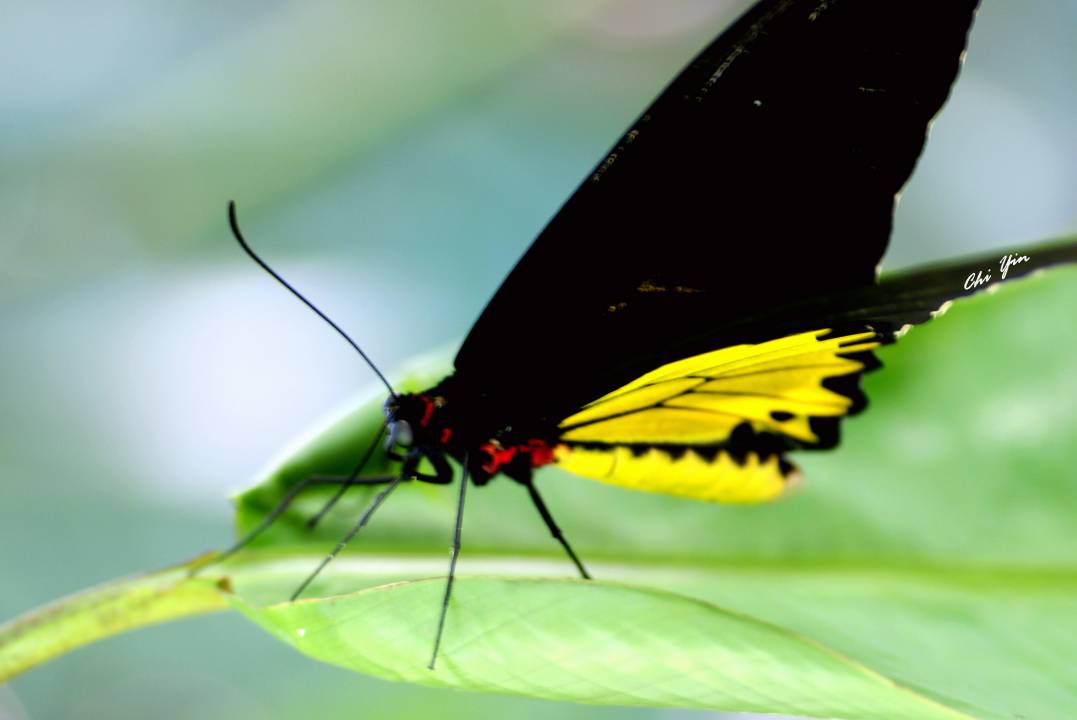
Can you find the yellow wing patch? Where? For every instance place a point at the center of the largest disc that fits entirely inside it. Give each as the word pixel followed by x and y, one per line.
pixel 721 479
pixel 775 387
pixel 713 426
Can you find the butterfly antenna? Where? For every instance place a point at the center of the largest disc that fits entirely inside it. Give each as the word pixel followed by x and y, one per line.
pixel 247 249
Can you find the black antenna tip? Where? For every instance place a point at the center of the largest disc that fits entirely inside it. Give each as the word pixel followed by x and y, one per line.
pixel 234 223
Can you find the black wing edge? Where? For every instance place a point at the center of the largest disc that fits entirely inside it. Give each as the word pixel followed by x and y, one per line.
pixel 910 297
pixel 914 296
pixel 901 299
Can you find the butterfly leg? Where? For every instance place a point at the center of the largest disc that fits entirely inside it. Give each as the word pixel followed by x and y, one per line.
pixel 452 562
pixel 285 503
pixel 547 518
pixel 353 475
pixel 406 473
pixel 443 477
pixel 443 474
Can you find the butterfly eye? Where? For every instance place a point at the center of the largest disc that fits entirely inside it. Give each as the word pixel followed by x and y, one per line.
pixel 399 434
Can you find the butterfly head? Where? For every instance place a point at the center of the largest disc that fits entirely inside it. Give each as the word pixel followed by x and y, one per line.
pixel 413 420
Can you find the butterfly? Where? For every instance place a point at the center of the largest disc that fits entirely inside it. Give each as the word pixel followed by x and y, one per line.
pixel 706 301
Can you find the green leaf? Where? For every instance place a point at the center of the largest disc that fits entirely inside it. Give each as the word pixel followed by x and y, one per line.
pixel 589 642
pixel 987 643
pixel 104 611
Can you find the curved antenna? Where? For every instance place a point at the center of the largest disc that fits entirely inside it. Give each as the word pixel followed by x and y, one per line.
pixel 247 249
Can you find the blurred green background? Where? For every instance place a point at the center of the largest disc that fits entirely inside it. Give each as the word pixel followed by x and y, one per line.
pixel 393 159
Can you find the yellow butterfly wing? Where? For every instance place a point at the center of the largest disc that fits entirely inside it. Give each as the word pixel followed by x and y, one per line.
pixel 714 426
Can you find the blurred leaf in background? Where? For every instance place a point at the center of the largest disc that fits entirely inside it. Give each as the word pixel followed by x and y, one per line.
pixel 394 159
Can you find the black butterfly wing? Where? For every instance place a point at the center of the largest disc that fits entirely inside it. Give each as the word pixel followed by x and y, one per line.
pixel 763 175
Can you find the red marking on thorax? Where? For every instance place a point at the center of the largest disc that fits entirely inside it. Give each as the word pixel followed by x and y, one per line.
pixel 428 411
pixel 538 453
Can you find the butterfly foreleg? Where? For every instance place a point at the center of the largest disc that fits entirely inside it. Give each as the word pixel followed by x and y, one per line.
pixel 443 472
pixel 317 517
pixel 286 502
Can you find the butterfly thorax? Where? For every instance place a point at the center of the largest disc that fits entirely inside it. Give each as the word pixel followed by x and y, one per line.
pixel 436 421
